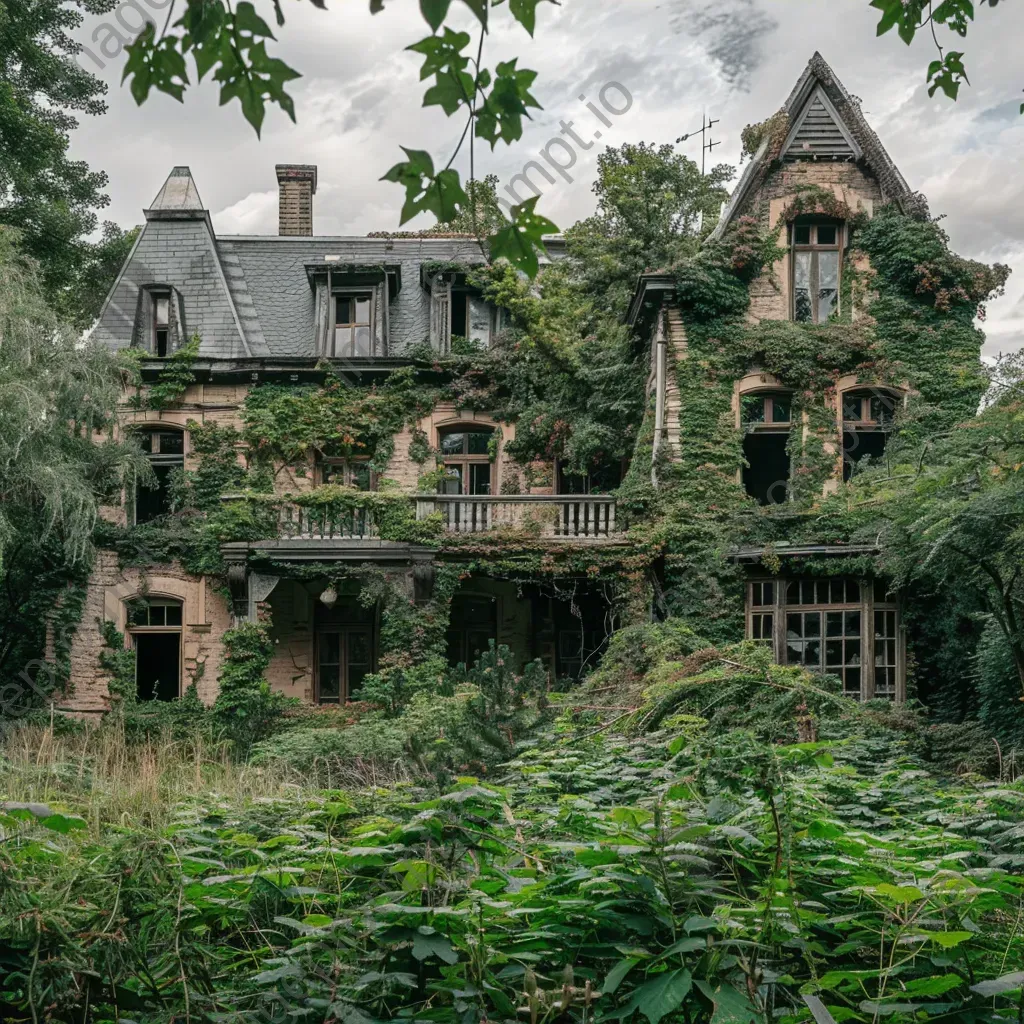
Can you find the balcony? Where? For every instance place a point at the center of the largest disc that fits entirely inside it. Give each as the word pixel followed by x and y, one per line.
pixel 557 518
pixel 551 517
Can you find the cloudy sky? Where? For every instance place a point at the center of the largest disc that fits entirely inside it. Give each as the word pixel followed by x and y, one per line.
pixel 360 97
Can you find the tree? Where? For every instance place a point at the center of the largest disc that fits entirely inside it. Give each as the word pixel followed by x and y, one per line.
pixel 80 299
pixel 49 197
pixel 960 524
pixel 57 399
pixel 653 208
pixel 231 44
pixel 947 71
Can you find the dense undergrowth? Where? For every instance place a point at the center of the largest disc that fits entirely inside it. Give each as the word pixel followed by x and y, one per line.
pixel 708 842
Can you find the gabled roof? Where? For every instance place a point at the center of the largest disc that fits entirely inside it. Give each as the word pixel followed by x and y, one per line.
pixel 826 123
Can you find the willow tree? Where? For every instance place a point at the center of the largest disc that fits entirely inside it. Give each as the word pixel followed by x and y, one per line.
pixel 58 459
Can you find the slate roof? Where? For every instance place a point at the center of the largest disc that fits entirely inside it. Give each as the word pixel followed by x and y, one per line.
pixel 250 296
pixel 826 123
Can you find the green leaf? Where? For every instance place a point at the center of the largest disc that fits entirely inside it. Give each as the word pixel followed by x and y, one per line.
pixel 615 976
pixel 522 239
pixel 452 90
pixel 937 985
pixel 731 1005
pixel 434 12
pixel 686 945
pixel 247 20
pixel 947 940
pixel 999 986
pixel 424 946
pixel 899 893
pixel 891 12
pixel 64 823
pixel 660 996
pixel 525 12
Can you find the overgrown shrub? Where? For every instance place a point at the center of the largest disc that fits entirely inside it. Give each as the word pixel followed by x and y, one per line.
pixel 1000 703
pixel 246 708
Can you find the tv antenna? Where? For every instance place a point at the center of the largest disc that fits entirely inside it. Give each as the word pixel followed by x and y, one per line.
pixel 707 144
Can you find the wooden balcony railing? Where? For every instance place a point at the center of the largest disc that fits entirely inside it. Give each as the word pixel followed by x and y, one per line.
pixel 582 517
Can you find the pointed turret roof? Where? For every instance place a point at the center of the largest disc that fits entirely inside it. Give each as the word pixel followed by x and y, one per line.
pixel 179 198
pixel 825 123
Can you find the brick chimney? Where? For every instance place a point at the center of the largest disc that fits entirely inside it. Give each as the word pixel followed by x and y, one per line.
pixel 296 186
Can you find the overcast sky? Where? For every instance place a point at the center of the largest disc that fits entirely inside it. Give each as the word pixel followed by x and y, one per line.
pixel 737 59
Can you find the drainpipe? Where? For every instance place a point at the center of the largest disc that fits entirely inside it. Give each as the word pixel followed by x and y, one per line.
pixel 660 365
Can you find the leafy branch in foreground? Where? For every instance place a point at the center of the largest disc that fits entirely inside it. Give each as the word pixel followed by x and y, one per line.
pixel 231 44
pixel 947 72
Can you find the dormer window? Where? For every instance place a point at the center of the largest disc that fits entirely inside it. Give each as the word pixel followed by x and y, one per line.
pixel 816 247
pixel 161 333
pixel 353 326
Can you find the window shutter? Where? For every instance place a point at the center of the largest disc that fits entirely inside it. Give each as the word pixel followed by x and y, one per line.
pixel 440 314
pixel 178 329
pixel 142 336
pixel 322 316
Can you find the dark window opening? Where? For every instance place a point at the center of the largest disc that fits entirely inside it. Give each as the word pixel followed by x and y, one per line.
pixel 460 314
pixel 165 450
pixel 473 626
pixel 816 250
pixel 157 665
pixel 867 422
pixel 766 475
pixel 600 480
pixel 345 652
pixel 161 323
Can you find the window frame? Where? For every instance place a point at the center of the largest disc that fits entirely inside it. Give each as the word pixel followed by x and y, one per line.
pixel 867 425
pixel 347 467
pixel 768 424
pixel 352 293
pixel 815 249
pixel 132 631
pixel 872 599
pixel 466 459
pixel 344 631
pixel 156 296
pixel 158 459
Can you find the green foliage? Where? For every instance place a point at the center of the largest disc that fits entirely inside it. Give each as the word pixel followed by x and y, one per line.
pixel 693 872
pixel 246 708
pixel 50 198
pixel 176 375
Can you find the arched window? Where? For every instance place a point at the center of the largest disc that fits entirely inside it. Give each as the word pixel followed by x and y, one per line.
pixel 868 415
pixel 165 449
pixel 766 418
pixel 154 629
pixel 816 247
pixel 467 460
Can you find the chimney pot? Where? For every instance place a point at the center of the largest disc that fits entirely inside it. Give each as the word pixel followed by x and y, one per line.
pixel 296 186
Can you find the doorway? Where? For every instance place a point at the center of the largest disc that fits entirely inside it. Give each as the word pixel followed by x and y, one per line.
pixel 155 630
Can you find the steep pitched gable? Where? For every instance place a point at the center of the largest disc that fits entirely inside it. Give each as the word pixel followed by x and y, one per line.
pixel 825 123
pixel 177 249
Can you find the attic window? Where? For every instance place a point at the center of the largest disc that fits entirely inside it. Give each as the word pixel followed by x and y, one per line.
pixel 353 325
pixel 161 323
pixel 816 249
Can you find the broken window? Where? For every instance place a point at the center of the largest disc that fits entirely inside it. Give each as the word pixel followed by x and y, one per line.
pixel 353 326
pixel 867 422
pixel 165 450
pixel 154 629
pixel 815 250
pixel 766 419
pixel 161 335
pixel 467 460
pixel 828 630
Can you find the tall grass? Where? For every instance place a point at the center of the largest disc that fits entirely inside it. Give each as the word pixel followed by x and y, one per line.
pixel 107 777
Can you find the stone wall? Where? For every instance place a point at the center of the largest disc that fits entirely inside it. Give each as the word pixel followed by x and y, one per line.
pixel 770 293
pixel 205 619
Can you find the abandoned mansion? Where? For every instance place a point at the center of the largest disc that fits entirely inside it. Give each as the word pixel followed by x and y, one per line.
pixel 331 456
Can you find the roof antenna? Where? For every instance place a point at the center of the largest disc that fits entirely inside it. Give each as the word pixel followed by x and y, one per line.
pixel 706 142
